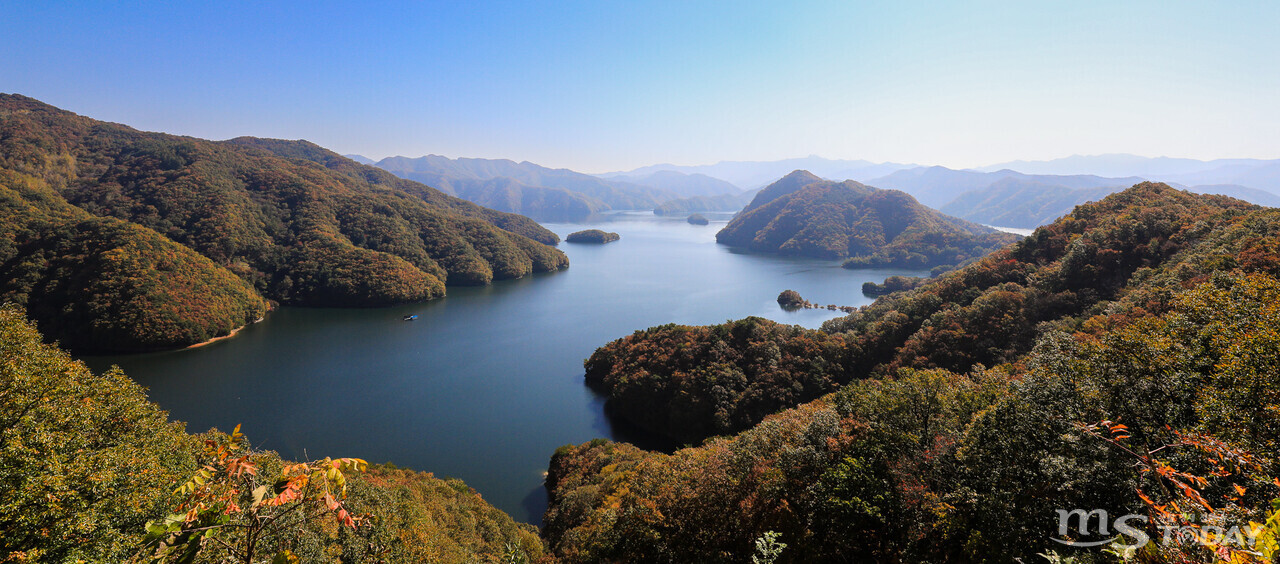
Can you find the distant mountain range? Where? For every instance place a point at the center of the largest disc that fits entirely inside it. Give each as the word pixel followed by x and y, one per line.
pixel 1253 173
pixel 935 186
pixel 549 194
pixel 688 185
pixel 749 175
pixel 1023 194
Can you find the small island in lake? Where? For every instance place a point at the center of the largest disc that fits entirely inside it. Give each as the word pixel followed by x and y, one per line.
pixel 697 219
pixel 592 236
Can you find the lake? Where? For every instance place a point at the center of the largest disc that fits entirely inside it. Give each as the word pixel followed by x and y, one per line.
pixel 487 382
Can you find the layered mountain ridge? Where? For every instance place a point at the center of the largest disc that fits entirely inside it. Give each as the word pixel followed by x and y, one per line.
pixel 175 240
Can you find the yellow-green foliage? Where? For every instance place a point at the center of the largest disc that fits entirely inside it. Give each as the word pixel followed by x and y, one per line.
pixel 936 466
pixel 1154 308
pixel 104 284
pixel 85 460
pixel 420 518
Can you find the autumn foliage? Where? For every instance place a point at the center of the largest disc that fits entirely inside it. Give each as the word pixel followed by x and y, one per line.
pixel 968 409
pixel 175 240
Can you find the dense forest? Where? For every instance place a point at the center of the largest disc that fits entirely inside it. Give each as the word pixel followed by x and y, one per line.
pixel 592 236
pixel 1122 358
pixel 807 216
pixel 893 284
pixel 116 239
pixel 89 467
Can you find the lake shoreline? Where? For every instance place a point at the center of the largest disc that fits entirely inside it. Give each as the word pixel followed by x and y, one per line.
pixel 224 337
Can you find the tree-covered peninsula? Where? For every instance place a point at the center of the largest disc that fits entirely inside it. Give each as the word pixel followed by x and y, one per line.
pixel 117 239
pixel 803 215
pixel 1122 358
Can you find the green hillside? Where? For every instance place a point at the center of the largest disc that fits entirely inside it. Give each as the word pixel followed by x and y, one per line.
pixel 191 235
pixel 949 422
pixel 804 216
pixel 86 462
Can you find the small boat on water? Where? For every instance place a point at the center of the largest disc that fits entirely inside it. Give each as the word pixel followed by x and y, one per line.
pixel 409 317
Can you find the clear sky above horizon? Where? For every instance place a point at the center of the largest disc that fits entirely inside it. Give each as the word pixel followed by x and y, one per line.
pixel 609 85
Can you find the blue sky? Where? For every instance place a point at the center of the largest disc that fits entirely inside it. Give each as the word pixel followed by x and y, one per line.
pixel 603 85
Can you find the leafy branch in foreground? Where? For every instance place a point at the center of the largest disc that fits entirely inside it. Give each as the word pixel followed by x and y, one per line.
pixel 232 508
pixel 1181 503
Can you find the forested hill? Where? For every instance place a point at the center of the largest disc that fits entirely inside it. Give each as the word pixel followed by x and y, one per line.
pixel 801 214
pixel 116 239
pixel 1122 358
pixel 1123 247
pixel 87 462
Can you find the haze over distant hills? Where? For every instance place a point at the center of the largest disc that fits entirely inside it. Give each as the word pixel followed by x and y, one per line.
pixel 755 174
pixel 935 186
pixel 1254 173
pixel 688 185
pixel 549 194
pixel 1022 194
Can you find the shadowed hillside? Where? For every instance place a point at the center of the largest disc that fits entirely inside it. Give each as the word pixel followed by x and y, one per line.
pixel 180 239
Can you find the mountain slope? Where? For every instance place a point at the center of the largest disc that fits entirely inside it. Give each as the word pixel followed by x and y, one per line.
pixel 297 223
pixel 1152 307
pixel 800 215
pixel 985 313
pixel 87 462
pixel 552 194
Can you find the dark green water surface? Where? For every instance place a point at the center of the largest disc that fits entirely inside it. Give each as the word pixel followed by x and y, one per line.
pixel 487 382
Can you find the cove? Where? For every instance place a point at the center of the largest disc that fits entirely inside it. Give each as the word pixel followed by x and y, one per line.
pixel 487 382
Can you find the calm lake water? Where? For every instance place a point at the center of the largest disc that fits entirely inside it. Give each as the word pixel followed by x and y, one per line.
pixel 487 382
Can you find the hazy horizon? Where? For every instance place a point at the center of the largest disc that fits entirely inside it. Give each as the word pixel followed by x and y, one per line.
pixel 605 87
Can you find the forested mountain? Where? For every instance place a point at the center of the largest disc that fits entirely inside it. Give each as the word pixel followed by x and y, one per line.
pixel 86 462
pixel 803 215
pixel 936 186
pixel 124 240
pixel 526 188
pixel 1121 358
